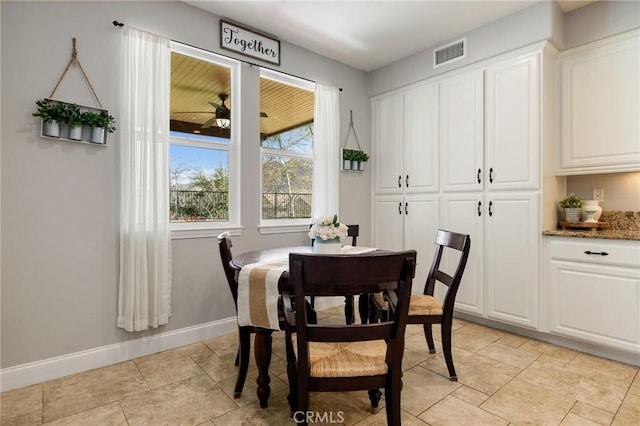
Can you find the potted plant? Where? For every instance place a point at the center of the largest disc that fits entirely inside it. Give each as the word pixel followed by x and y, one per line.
pixel 362 158
pixel 52 114
pixel 347 156
pixel 572 205
pixel 355 158
pixel 100 122
pixel 73 118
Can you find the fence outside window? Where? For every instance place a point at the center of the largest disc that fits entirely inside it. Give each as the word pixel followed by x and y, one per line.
pixel 211 206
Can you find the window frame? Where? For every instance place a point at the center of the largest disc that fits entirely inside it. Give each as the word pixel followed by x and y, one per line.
pixel 277 226
pixel 180 230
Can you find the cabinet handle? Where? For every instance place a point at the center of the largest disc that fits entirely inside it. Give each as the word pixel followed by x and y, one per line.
pixel 479 205
pixel 400 207
pixel 490 206
pixel 399 181
pixel 491 175
pixel 406 208
pixel 407 181
pixel 601 253
pixel 479 171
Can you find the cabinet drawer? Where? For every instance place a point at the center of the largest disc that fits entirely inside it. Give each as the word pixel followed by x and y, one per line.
pixel 621 253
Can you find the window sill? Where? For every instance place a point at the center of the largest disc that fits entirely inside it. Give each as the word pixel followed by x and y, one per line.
pixel 283 229
pixel 183 231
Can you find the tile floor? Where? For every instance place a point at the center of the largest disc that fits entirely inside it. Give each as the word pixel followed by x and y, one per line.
pixel 504 379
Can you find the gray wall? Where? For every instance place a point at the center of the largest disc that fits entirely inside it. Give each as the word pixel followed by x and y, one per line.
pixel 536 23
pixel 600 20
pixel 543 21
pixel 59 199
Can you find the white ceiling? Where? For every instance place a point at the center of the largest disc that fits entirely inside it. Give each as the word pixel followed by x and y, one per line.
pixel 368 34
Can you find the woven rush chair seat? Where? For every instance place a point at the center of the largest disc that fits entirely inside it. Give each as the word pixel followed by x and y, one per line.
pixel 346 359
pixel 422 304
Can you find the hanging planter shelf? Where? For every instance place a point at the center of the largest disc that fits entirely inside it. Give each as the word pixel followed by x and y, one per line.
pixel 66 133
pixel 71 122
pixel 352 159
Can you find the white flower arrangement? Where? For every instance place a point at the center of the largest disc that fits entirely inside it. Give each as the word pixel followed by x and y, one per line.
pixel 328 228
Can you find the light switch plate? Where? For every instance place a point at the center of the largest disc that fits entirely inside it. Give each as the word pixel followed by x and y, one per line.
pixel 598 194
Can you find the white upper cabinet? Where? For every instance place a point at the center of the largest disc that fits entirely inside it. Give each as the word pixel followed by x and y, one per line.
pixel 387 132
pixel 599 106
pixel 461 132
pixel 405 141
pixel 421 139
pixel 512 102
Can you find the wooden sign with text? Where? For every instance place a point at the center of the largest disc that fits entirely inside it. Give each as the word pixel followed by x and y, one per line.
pixel 249 43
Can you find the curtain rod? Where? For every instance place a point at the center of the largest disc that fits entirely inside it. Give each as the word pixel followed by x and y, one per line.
pixel 120 25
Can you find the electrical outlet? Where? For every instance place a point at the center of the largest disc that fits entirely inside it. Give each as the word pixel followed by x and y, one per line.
pixel 598 194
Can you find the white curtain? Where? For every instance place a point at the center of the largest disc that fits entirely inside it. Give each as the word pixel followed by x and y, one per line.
pixel 326 151
pixel 144 296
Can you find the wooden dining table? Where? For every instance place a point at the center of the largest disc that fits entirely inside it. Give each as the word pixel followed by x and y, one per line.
pixel 263 336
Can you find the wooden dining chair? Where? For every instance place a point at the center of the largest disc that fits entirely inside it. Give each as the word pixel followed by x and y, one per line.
pixel 353 231
pixel 424 308
pixel 329 357
pixel 244 332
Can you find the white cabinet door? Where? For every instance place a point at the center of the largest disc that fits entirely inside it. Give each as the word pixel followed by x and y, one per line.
pixel 388 216
pixel 512 240
pixel 600 105
pixel 595 298
pixel 464 213
pixel 461 132
pixel 387 134
pixel 512 125
pixel 421 219
pixel 421 139
pixel 596 303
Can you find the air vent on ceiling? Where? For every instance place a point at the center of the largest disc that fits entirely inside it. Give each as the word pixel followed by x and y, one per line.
pixel 450 53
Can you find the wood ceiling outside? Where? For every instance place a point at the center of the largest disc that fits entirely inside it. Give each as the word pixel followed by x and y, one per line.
pixel 195 83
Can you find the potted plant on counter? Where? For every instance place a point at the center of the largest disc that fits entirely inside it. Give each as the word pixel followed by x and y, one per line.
pixel 572 207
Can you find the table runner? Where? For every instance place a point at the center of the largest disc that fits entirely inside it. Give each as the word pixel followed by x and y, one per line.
pixel 258 290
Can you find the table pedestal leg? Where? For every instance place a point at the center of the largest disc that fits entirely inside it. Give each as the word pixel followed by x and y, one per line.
pixel 262 346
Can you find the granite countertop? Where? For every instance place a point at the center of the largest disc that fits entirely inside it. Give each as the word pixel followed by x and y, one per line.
pixel 623 225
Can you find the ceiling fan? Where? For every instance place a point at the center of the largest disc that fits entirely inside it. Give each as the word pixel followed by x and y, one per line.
pixel 222 114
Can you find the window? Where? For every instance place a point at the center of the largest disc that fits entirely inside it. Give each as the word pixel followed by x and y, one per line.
pixel 204 165
pixel 286 133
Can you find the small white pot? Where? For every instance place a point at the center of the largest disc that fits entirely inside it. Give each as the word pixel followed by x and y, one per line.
pixel 346 164
pixel 327 246
pixel 97 135
pixel 75 133
pixel 51 128
pixel 354 164
pixel 361 165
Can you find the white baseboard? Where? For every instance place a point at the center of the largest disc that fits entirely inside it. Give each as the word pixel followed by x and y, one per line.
pixel 53 368
pixel 632 358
